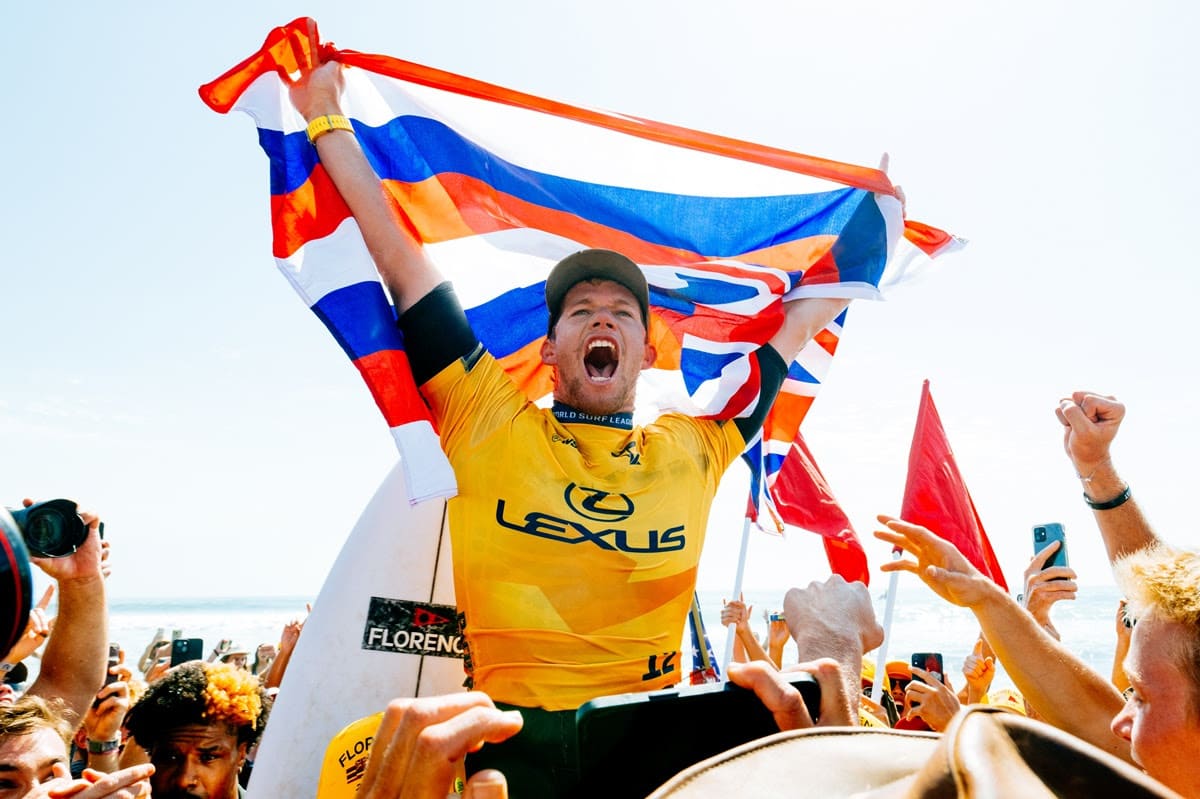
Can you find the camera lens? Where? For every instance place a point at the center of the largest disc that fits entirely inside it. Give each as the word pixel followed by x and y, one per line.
pixel 51 529
pixel 46 532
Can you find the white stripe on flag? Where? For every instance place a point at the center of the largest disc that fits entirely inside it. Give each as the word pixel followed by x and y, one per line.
pixel 340 259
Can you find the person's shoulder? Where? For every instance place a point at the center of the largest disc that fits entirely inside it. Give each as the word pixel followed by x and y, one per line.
pixel 679 425
pixel 681 419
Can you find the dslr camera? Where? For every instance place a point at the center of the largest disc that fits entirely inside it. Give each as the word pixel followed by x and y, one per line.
pixel 52 529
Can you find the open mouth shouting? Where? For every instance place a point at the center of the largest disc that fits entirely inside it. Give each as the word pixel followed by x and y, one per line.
pixel 601 360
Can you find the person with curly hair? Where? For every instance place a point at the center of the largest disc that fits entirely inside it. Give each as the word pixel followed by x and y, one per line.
pixel 197 723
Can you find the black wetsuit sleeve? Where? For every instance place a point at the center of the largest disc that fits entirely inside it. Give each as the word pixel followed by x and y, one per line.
pixel 437 333
pixel 772 370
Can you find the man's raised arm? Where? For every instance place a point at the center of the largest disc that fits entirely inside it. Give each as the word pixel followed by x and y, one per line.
pixel 386 230
pixel 73 665
pixel 1059 686
pixel 1090 423
pixel 803 319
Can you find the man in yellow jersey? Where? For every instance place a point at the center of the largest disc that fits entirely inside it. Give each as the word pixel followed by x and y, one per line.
pixel 575 535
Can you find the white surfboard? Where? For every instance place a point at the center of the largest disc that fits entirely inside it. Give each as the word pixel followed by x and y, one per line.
pixel 383 626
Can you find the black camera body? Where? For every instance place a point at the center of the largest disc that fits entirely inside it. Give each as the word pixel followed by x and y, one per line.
pixel 52 529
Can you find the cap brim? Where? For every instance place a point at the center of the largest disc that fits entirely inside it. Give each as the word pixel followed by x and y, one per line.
pixel 596 264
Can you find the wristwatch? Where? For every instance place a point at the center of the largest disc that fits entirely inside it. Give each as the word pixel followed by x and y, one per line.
pixel 103 747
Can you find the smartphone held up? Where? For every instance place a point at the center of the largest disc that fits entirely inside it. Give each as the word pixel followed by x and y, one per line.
pixel 931 662
pixel 186 649
pixel 1046 534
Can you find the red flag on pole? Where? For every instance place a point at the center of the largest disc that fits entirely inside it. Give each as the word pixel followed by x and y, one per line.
pixel 936 496
pixel 803 499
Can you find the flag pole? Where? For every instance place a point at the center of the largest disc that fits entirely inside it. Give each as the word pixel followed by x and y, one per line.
pixel 731 630
pixel 881 660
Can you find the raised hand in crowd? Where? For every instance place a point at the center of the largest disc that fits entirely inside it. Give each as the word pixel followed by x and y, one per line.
pixel 777 638
pixel 264 656
pixel 36 631
pixel 784 700
pixel 421 742
pixel 128 783
pixel 220 649
pixel 834 619
pixel 930 700
pixel 105 718
pixel 1044 587
pixel 288 639
pixel 1055 682
pixel 979 669
pixel 1124 629
pixel 160 666
pixel 153 650
pixel 1090 423
pixel 76 653
pixel 747 644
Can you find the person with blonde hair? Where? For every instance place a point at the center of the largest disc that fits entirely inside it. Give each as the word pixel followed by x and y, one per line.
pixel 1158 726
pixel 34 735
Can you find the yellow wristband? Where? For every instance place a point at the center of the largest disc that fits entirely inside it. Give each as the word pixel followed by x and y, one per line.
pixel 323 124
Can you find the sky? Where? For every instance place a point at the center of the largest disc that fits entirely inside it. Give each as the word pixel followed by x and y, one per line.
pixel 160 370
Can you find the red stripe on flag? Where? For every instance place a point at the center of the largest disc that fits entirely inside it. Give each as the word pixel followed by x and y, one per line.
pixel 388 376
pixel 312 211
pixel 926 238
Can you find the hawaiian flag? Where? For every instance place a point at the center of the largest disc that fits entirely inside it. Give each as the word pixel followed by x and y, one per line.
pixel 499 185
pixel 936 496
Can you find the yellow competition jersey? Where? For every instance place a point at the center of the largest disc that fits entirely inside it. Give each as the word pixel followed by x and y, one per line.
pixel 575 544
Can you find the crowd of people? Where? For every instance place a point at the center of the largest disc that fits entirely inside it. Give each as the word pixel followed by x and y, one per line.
pixel 574 573
pixel 92 725
pixel 1145 713
pixel 77 719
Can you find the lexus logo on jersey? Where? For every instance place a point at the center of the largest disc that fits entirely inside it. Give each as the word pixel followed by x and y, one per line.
pixel 413 628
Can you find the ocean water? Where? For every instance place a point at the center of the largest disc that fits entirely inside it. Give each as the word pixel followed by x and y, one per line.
pixel 248 621
pixel 921 622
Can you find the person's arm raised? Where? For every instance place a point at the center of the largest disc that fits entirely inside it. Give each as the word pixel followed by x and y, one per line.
pixel 979 669
pixel 802 319
pixel 1090 423
pixel 1061 687
pixel 806 317
pixel 834 619
pixel 77 651
pixel 287 644
pixel 1124 633
pixel 387 231
pixel 36 631
pixel 738 614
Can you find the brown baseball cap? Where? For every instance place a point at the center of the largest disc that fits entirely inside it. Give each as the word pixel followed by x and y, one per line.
pixel 595 265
